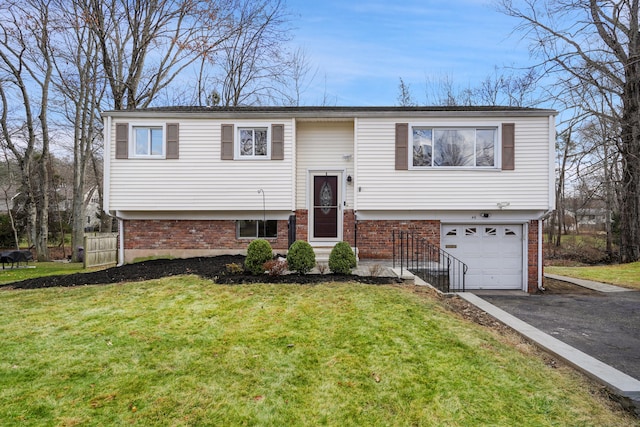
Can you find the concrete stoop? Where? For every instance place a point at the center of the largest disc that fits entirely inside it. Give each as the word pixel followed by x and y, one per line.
pixel 322 253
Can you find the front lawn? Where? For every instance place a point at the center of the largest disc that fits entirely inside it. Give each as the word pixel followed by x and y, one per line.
pixel 39 269
pixel 626 275
pixel 183 351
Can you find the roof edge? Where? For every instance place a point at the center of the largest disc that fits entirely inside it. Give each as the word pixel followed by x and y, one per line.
pixel 326 112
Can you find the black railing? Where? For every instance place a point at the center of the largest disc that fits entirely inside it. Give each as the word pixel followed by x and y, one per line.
pixel 427 261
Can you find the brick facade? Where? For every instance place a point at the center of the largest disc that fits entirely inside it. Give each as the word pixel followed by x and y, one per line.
pixel 375 236
pixel 191 234
pixel 211 237
pixel 532 259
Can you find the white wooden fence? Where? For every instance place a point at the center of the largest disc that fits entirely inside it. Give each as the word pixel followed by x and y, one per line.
pixel 100 249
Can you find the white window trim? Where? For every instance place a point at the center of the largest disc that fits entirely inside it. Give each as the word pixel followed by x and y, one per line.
pixel 132 140
pixel 497 158
pixel 236 141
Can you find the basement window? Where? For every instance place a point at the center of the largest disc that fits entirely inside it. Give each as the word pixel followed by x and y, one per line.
pixel 253 229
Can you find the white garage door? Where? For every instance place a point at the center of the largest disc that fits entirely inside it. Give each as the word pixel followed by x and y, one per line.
pixel 493 253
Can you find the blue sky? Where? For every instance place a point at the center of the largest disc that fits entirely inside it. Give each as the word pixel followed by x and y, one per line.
pixel 362 48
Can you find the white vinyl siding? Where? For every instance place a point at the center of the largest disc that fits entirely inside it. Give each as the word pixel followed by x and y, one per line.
pixel 199 180
pixel 381 187
pixel 320 146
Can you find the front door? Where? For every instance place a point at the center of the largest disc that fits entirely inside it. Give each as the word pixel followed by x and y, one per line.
pixel 326 207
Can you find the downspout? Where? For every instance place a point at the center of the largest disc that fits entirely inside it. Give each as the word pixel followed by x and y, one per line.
pixel 355 232
pixel 540 266
pixel 120 241
pixel 540 235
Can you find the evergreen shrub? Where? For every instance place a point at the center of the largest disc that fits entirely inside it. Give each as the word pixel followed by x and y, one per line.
pixel 342 259
pixel 258 252
pixel 301 257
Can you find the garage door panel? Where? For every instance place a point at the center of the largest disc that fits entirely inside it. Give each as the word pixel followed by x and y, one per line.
pixel 492 252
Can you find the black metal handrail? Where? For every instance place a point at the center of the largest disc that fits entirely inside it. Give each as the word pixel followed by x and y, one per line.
pixel 427 261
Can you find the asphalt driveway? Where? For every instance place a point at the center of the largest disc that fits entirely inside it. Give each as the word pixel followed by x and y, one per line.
pixel 605 326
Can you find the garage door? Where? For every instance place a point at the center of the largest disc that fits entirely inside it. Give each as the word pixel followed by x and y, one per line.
pixel 493 253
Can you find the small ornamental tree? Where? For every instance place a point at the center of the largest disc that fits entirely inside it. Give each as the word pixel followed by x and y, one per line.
pixel 301 257
pixel 342 259
pixel 258 252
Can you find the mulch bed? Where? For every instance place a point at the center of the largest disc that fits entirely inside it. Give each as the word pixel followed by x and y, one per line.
pixel 212 268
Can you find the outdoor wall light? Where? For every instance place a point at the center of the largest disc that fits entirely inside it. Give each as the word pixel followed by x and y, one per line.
pixel 349 179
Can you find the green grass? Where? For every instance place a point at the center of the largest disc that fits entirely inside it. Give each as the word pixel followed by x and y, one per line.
pixel 39 269
pixel 183 351
pixel 626 275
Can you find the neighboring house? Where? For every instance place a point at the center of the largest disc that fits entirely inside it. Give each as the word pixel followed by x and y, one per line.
pixel 92 210
pixel 195 181
pixel 588 219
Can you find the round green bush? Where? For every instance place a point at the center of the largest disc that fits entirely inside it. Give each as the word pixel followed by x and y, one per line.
pixel 301 257
pixel 342 259
pixel 258 252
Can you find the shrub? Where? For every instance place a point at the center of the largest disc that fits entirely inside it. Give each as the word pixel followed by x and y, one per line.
pixel 301 257
pixel 234 268
pixel 258 252
pixel 342 259
pixel 275 267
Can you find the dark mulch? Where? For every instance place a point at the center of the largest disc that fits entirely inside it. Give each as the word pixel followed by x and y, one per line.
pixel 213 268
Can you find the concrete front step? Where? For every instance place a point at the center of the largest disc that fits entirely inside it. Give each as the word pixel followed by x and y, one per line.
pixel 323 253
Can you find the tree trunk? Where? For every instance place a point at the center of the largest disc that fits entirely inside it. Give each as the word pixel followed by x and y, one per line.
pixel 630 151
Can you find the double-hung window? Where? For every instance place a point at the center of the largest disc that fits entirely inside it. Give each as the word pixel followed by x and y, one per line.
pixel 148 141
pixel 472 147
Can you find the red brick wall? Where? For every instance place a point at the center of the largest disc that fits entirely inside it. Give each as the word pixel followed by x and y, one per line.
pixel 375 236
pixel 302 218
pixel 191 234
pixel 349 232
pixel 532 261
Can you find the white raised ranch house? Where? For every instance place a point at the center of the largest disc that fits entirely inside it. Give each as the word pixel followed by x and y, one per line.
pixel 196 181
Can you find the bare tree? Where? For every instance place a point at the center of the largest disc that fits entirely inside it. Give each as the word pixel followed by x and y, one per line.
pixel 404 94
pixel 26 60
pixel 145 44
pixel 505 87
pixel 299 75
pixel 252 58
pixel 596 43
pixel 80 81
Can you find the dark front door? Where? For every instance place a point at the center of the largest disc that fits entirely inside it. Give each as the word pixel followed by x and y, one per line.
pixel 325 206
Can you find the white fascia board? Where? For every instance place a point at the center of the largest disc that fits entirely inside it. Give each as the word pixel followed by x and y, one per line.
pixel 338 113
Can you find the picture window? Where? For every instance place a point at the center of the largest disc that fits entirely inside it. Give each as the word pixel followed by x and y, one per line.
pixel 454 147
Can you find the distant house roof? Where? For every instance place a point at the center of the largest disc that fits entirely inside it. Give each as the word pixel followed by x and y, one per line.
pixel 329 112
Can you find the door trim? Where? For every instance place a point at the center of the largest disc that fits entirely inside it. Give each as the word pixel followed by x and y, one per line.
pixel 311 174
